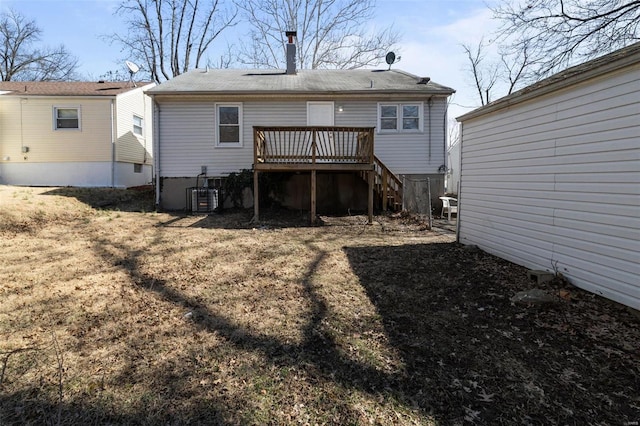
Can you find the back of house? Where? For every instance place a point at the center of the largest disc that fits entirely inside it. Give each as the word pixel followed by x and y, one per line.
pixel 207 119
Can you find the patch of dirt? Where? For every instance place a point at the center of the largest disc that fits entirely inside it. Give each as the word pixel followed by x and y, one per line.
pixel 112 313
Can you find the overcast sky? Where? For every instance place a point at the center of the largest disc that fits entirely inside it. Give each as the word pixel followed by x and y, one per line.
pixel 432 32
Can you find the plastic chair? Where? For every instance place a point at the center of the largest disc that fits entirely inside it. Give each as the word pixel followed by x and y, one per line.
pixel 449 204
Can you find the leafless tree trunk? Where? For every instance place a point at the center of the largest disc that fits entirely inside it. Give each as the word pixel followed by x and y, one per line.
pixel 169 37
pixel 558 33
pixel 484 74
pixel 331 33
pixel 20 57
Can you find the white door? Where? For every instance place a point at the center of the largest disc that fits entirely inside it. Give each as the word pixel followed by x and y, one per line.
pixel 321 113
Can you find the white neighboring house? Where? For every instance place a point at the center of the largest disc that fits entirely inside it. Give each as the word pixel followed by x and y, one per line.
pixel 91 134
pixel 551 176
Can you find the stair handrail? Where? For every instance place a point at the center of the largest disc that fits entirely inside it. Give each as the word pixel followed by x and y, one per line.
pixel 388 180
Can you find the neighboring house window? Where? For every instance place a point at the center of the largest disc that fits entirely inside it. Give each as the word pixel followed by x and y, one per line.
pixel 137 168
pixel 138 124
pixel 229 124
pixel 400 117
pixel 66 118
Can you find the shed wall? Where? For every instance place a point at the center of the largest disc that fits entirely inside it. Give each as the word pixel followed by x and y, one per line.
pixel 554 184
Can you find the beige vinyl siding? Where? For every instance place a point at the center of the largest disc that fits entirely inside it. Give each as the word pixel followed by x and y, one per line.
pixel 30 122
pixel 554 182
pixel 10 128
pixel 132 148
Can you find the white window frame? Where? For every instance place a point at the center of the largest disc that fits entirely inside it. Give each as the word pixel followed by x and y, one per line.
pixel 238 144
pixel 399 117
pixel 141 126
pixel 55 117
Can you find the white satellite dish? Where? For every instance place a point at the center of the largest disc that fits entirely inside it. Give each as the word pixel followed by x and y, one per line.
pixel 133 68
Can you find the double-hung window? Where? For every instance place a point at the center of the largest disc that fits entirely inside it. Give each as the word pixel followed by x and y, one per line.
pixel 229 125
pixel 399 117
pixel 66 118
pixel 138 125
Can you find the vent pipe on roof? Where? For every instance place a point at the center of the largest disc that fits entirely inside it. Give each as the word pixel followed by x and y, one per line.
pixel 291 52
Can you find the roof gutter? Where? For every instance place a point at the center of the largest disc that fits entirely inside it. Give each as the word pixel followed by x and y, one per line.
pixel 302 94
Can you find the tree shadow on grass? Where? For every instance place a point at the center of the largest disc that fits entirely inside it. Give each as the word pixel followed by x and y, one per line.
pixel 317 356
pixel 472 355
pixel 468 354
pixel 236 218
pixel 125 200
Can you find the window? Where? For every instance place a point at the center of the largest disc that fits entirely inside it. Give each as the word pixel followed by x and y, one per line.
pixel 388 117
pixel 138 125
pixel 229 124
pixel 66 118
pixel 137 168
pixel 400 117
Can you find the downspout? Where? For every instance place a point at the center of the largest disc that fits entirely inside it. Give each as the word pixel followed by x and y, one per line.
pixel 459 183
pixel 429 106
pixel 445 132
pixel 156 149
pixel 113 145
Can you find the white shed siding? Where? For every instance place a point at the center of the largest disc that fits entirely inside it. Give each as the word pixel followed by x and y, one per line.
pixel 554 182
pixel 187 135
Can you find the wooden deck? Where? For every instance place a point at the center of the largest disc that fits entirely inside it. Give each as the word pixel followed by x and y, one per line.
pixel 313 149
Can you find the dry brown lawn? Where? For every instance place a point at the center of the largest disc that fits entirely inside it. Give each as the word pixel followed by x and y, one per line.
pixel 112 313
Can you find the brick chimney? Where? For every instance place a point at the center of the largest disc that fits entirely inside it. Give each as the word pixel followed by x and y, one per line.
pixel 291 52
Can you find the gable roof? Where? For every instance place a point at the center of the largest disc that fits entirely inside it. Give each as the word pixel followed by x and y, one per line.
pixel 304 82
pixel 66 88
pixel 611 62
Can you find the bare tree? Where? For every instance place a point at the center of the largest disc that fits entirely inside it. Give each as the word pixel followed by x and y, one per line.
pixel 558 33
pixel 330 33
pixel 23 59
pixel 540 37
pixel 169 37
pixel 483 72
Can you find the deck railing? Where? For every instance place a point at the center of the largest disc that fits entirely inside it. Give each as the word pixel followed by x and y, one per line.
pixel 388 186
pixel 312 145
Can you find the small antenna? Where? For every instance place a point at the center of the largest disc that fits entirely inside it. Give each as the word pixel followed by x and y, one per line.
pixel 133 68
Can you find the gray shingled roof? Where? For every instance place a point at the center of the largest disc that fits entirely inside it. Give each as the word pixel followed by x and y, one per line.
pixel 66 88
pixel 245 82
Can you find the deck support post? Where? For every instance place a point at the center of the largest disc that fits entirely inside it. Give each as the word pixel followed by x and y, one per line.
pixel 371 178
pixel 256 196
pixel 313 196
pixel 385 189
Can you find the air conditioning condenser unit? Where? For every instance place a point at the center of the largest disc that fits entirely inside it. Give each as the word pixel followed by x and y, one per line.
pixel 204 200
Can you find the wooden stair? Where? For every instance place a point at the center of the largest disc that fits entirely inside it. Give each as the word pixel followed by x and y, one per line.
pixel 386 186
